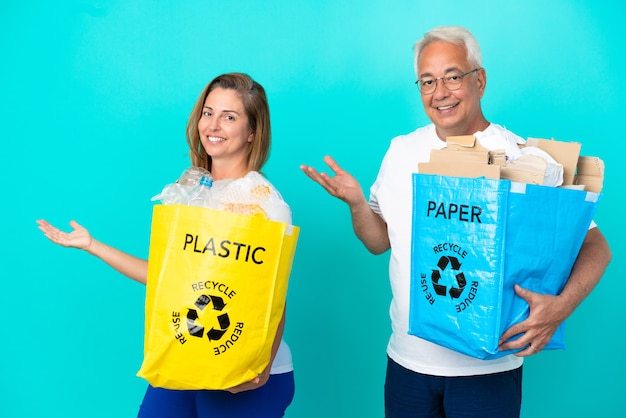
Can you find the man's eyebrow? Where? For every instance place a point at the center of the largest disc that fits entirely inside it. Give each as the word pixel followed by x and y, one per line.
pixel 448 70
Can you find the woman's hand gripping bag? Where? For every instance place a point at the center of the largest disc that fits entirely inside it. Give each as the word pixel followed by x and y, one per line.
pixel 217 284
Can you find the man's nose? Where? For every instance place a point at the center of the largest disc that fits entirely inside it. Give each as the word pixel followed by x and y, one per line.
pixel 440 88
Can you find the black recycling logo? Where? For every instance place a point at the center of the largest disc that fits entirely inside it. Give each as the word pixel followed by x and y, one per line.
pixel 194 323
pixel 447 266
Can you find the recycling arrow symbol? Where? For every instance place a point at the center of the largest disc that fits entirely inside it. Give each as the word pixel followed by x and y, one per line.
pixel 452 263
pixel 194 324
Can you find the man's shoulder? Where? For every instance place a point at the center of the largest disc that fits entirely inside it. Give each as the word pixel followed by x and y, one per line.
pixel 421 134
pixel 414 146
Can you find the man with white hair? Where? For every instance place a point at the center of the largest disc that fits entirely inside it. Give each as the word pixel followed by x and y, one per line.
pixel 425 379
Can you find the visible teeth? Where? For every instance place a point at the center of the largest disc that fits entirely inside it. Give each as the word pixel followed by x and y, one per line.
pixel 216 139
pixel 445 107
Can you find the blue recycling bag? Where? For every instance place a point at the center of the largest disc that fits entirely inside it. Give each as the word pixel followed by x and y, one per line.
pixel 473 239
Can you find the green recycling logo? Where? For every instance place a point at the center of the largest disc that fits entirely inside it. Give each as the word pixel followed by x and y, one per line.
pixel 448 271
pixel 208 307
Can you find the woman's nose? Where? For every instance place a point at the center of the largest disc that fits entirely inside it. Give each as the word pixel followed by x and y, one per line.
pixel 214 124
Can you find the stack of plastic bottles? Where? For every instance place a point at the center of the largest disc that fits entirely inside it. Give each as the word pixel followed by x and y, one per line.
pixel 248 195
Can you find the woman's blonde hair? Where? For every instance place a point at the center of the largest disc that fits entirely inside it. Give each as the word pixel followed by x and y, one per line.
pixel 257 109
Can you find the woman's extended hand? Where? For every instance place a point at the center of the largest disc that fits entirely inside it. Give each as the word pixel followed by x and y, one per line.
pixel 79 237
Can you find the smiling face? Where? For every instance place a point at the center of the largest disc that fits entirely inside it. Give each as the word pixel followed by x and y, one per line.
pixel 455 112
pixel 225 133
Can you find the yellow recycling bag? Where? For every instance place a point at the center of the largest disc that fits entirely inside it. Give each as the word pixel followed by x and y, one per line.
pixel 217 284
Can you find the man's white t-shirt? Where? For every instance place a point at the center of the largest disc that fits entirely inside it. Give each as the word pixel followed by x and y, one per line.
pixel 391 198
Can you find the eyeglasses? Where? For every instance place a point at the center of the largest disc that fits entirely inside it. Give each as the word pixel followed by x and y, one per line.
pixel 452 81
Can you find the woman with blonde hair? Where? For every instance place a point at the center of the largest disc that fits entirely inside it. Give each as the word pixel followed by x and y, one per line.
pixel 229 135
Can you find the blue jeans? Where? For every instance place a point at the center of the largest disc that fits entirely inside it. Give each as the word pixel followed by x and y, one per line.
pixel 414 395
pixel 269 401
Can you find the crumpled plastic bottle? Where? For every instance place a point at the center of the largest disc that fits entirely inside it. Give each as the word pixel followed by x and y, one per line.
pixel 202 194
pixel 178 192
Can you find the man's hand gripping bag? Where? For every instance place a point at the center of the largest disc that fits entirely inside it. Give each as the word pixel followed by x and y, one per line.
pixel 217 284
pixel 473 239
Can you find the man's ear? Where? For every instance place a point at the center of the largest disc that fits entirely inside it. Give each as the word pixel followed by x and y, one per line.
pixel 481 79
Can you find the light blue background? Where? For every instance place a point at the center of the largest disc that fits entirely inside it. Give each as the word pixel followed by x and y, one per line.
pixel 95 96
